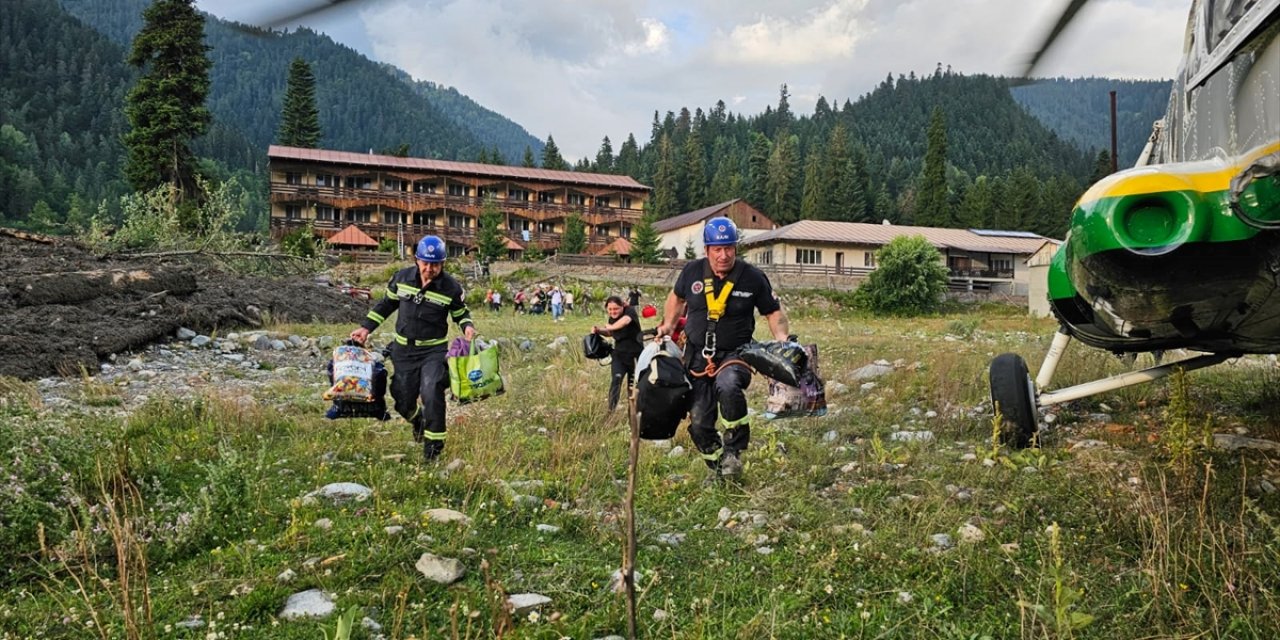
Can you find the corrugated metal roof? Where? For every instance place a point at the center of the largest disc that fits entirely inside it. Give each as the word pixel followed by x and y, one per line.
pixel 686 219
pixel 352 236
pixel 881 234
pixel 449 166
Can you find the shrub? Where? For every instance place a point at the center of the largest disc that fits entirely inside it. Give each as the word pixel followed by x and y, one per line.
pixel 909 281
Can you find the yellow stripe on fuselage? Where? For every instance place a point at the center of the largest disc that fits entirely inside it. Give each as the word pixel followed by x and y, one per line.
pixel 1204 176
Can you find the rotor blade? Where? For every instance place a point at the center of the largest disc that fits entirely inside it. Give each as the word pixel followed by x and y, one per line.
pixel 1068 14
pixel 294 16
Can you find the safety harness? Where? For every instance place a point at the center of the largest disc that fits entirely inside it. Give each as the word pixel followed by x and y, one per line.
pixel 716 305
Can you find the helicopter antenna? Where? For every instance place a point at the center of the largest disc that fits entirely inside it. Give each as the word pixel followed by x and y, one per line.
pixel 1068 14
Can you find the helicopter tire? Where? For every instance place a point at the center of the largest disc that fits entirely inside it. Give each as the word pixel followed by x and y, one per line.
pixel 1013 395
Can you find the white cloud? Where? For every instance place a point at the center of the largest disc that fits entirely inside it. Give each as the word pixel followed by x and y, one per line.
pixel 583 69
pixel 814 37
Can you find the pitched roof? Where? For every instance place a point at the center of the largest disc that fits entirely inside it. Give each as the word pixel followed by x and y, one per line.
pixel 278 152
pixel 621 246
pixel 352 236
pixel 512 245
pixel 881 234
pixel 692 217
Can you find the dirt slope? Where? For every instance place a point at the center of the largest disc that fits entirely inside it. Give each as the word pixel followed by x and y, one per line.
pixel 62 308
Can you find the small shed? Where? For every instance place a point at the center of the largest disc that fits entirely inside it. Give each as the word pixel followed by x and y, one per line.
pixel 621 247
pixel 352 238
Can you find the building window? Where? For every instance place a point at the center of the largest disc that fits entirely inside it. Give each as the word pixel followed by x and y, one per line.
pixel 518 194
pixel 459 221
pixel 456 250
pixel 576 199
pixel 602 202
pixel 602 231
pixel 326 180
pixel 869 259
pixel 326 213
pixel 625 231
pixel 395 217
pixel 457 189
pixel 765 257
pixel 424 219
pixel 518 224
pixel 626 202
pixel 292 178
pixel 548 198
pixel 395 185
pixel 808 256
pixel 359 182
pixel 292 212
pixel 424 187
pixel 1002 264
pixel 546 227
pixel 359 215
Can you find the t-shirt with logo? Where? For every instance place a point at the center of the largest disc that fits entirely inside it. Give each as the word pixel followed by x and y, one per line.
pixel 751 293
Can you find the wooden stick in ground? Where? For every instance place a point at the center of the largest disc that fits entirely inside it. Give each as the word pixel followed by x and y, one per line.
pixel 629 507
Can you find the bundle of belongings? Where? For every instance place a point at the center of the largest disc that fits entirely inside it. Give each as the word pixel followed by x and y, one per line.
pixel 807 398
pixel 664 393
pixel 359 382
pixel 595 347
pixel 784 361
pixel 473 370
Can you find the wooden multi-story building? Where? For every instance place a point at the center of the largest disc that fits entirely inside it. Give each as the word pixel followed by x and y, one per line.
pixel 406 198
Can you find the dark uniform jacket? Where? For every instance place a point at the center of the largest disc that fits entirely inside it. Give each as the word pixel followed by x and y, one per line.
pixel 752 293
pixel 423 318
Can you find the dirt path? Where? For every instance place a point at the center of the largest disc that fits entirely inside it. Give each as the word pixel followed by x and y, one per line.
pixel 62 308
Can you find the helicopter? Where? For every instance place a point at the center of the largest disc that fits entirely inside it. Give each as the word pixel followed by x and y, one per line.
pixel 1180 251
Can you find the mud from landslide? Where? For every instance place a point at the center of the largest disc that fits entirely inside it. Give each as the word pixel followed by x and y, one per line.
pixel 63 309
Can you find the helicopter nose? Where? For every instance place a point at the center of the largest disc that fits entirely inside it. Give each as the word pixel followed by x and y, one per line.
pixel 1150 214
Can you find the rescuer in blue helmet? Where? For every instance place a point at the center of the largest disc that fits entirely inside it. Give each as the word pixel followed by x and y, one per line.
pixel 720 295
pixel 427 298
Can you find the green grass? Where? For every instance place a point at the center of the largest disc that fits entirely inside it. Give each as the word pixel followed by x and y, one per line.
pixel 211 490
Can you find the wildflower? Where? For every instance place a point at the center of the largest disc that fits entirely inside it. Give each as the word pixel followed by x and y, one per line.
pixel 829 589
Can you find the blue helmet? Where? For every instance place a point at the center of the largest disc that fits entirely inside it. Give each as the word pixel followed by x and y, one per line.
pixel 430 249
pixel 719 231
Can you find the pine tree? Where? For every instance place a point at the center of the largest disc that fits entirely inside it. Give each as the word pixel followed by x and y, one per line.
pixel 629 158
pixel 490 243
pixel 528 160
pixel 551 158
pixel 644 241
pixel 975 207
pixel 695 172
pixel 758 170
pixel 932 203
pixel 1101 166
pixel 166 108
pixel 574 239
pixel 783 183
pixel 300 119
pixel 813 199
pixel 664 181
pixel 604 157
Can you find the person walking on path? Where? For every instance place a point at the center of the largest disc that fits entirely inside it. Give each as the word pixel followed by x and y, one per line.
pixel 624 328
pixel 426 299
pixel 720 295
pixel 633 297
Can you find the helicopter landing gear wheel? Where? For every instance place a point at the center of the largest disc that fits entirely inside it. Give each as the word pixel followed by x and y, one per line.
pixel 1013 395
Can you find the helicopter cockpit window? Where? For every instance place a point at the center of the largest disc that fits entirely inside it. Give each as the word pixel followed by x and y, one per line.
pixel 1223 15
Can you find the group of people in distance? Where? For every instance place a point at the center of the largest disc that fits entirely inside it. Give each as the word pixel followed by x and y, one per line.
pixel 717 297
pixel 544 299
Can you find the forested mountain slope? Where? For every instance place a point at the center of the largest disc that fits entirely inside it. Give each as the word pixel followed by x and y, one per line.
pixel 1079 110
pixel 361 106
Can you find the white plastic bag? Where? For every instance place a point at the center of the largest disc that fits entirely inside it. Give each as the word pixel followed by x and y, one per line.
pixel 651 349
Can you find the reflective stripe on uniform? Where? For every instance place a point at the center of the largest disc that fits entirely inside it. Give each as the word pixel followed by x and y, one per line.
pixel 391 294
pixel 459 313
pixel 433 435
pixel 437 297
pixel 376 317
pixel 406 290
pixel 729 424
pixel 420 343
pixel 713 456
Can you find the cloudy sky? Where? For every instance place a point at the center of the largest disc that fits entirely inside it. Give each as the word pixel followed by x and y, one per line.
pixel 584 69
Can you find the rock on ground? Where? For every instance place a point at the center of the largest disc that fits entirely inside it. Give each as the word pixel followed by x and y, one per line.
pixel 312 603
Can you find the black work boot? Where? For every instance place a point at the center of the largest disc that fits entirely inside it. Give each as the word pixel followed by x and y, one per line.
pixel 431 450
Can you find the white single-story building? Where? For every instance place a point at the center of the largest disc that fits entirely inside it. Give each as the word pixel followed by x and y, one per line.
pixel 678 232
pixel 980 257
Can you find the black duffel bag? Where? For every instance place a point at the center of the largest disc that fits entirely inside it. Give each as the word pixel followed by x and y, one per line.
pixel 663 396
pixel 784 361
pixel 595 347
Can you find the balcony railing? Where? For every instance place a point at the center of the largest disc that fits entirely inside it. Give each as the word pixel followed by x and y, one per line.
pixel 415 201
pixel 990 274
pixel 412 232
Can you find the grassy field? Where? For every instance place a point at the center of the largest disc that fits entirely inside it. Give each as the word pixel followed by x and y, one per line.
pixel 1122 525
